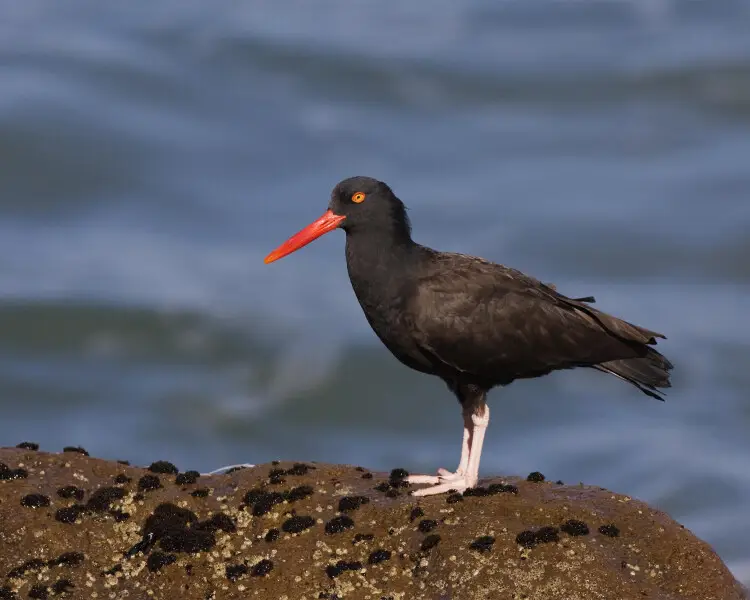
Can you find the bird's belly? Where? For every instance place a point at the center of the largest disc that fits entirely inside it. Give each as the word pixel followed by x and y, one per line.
pixel 401 346
pixel 411 357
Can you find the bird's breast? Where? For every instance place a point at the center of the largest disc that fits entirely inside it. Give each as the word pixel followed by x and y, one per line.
pixel 382 279
pixel 385 309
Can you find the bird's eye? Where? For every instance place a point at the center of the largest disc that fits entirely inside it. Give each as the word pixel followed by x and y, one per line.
pixel 358 197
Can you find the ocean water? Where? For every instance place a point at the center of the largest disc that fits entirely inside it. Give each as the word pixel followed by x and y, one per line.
pixel 151 154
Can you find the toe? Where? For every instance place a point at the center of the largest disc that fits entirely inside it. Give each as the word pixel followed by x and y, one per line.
pixel 458 485
pixel 446 475
pixel 432 479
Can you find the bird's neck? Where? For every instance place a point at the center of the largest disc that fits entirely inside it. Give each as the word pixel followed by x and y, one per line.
pixel 378 263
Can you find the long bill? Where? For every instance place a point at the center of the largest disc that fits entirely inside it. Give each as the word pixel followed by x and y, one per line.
pixel 327 222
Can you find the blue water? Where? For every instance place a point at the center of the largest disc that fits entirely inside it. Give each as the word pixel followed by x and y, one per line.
pixel 153 153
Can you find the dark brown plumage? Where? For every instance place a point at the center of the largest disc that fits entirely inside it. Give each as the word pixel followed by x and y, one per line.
pixel 473 323
pixel 522 328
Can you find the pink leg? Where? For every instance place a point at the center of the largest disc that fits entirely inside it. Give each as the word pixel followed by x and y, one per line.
pixel 463 464
pixel 445 474
pixel 467 475
pixel 480 421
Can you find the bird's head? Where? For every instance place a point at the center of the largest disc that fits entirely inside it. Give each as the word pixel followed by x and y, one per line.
pixel 357 204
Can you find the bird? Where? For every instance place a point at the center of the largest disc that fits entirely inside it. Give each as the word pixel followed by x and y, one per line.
pixel 473 323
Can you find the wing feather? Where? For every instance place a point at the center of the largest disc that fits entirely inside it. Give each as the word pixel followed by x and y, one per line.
pixel 498 324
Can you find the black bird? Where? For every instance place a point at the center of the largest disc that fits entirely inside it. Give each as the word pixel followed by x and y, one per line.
pixel 473 323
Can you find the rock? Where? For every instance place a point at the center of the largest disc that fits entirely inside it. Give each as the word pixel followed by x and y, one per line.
pixel 73 526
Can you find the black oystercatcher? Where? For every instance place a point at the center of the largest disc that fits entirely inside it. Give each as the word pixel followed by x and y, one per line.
pixel 473 323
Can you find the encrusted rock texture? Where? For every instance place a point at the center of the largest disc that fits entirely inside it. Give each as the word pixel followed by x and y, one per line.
pixel 72 526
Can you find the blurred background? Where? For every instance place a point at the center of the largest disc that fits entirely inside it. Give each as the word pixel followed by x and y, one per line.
pixel 151 154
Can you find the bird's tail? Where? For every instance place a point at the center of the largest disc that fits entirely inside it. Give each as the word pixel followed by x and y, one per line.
pixel 649 369
pixel 647 373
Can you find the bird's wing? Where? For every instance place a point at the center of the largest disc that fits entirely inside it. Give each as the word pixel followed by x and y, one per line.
pixel 497 323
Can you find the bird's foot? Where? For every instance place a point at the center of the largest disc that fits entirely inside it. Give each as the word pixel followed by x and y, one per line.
pixel 445 474
pixel 432 479
pixel 459 485
pixel 442 476
pixel 444 481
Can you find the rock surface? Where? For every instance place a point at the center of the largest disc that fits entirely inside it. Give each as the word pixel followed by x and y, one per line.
pixel 72 526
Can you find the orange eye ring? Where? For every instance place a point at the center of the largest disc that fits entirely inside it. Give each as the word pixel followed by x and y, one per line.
pixel 358 197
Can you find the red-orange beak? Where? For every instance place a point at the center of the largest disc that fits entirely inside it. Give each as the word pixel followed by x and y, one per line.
pixel 328 222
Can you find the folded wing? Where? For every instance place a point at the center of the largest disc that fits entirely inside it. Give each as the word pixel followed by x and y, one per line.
pixel 497 324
